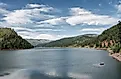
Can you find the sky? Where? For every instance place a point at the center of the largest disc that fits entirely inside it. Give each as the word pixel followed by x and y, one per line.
pixel 56 19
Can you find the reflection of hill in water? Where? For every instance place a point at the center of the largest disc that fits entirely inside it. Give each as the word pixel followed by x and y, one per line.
pixel 31 74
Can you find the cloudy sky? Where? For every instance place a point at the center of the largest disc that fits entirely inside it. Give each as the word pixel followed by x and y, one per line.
pixel 55 19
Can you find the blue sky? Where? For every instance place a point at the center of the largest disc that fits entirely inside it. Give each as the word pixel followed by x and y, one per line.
pixel 55 19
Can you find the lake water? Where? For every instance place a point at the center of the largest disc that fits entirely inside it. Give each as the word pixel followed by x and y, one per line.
pixel 58 63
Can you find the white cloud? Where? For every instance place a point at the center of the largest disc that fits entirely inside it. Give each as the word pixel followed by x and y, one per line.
pixel 18 17
pixel 55 21
pixel 3 4
pixel 82 16
pixel 78 16
pixel 40 30
pixel 92 29
pixel 3 11
pixel 26 16
pixel 46 36
pixel 118 7
pixel 32 13
pixel 33 5
pixel 57 30
pixel 42 25
pixel 21 28
pixel 44 8
pixel 35 35
pixel 52 37
pixel 93 32
pixel 79 11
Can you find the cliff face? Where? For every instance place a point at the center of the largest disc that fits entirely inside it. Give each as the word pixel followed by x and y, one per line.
pixel 107 43
pixel 9 39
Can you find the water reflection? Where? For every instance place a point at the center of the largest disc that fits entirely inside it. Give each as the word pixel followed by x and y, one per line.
pixel 65 63
pixel 30 74
pixel 6 60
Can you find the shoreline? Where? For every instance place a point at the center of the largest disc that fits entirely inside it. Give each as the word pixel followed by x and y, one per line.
pixel 116 56
pixel 18 49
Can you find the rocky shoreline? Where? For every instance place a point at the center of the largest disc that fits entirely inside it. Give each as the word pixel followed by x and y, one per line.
pixel 116 56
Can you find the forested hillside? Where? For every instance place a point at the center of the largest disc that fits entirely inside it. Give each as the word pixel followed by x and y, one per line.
pixel 109 39
pixel 9 39
pixel 69 42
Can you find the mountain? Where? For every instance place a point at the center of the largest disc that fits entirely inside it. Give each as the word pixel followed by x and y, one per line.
pixel 69 42
pixel 109 39
pixel 35 42
pixel 9 39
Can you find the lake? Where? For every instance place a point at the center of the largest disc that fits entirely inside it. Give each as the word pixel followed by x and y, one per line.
pixel 58 63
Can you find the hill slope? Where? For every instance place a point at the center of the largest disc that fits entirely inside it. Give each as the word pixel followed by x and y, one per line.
pixel 69 42
pixel 35 42
pixel 9 39
pixel 109 39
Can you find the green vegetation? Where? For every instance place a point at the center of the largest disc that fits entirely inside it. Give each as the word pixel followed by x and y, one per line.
pixel 69 42
pixel 109 39
pixel 10 40
pixel 116 48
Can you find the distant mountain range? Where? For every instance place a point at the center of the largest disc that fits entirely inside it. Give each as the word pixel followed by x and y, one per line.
pixel 9 39
pixel 109 39
pixel 35 42
pixel 69 42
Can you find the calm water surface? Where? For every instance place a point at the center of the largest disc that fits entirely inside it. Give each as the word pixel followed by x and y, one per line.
pixel 58 63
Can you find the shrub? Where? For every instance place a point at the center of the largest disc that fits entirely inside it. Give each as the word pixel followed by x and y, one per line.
pixel 116 48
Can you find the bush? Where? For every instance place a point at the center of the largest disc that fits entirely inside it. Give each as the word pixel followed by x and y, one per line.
pixel 116 48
